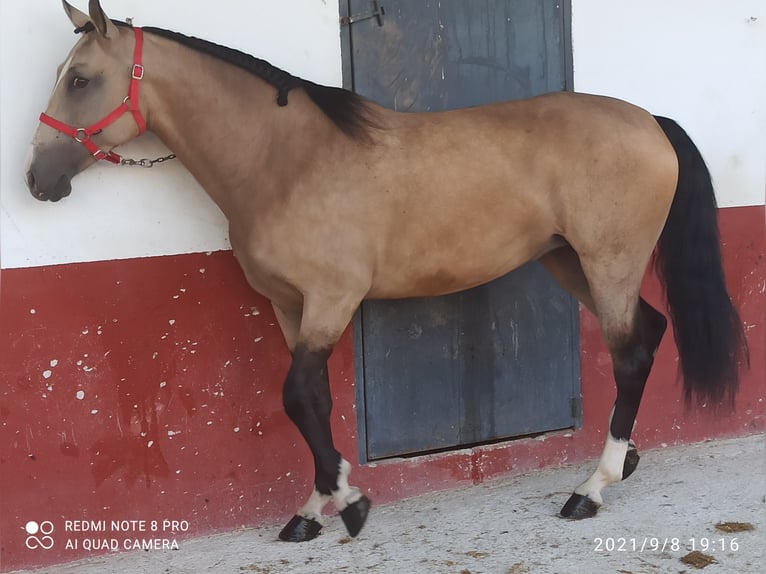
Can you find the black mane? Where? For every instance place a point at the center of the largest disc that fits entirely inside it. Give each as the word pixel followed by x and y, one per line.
pixel 347 110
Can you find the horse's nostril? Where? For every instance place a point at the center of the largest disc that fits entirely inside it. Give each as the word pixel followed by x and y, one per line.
pixel 33 189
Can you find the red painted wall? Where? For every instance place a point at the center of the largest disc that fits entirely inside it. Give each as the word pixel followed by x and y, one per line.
pixel 151 390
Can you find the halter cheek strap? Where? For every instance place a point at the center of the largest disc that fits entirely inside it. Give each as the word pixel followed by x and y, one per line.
pixel 129 104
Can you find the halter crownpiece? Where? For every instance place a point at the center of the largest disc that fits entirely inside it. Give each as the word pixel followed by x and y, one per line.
pixel 129 104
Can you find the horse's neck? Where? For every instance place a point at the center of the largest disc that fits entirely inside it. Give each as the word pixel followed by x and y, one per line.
pixel 224 124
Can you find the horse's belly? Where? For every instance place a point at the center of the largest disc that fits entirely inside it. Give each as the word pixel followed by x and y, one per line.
pixel 440 273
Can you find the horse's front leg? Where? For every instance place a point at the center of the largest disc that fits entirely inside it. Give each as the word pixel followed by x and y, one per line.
pixel 308 403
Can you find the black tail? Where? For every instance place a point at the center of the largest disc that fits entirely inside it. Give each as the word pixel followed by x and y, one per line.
pixel 709 334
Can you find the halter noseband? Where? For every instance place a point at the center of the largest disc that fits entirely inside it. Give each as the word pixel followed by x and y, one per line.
pixel 129 104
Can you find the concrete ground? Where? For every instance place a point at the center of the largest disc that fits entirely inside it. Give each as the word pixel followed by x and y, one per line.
pixel 647 525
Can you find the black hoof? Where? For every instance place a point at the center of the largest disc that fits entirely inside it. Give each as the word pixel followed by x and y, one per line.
pixel 631 461
pixel 579 506
pixel 355 515
pixel 300 529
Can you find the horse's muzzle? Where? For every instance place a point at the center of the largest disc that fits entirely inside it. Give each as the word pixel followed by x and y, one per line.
pixel 51 168
pixel 61 188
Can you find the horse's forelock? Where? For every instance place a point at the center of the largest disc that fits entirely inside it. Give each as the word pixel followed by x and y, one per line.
pixel 89 27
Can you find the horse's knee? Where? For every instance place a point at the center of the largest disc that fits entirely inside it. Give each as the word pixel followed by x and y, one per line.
pixel 294 400
pixel 302 400
pixel 306 392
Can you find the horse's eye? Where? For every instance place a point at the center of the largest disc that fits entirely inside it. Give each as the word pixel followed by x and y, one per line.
pixel 79 82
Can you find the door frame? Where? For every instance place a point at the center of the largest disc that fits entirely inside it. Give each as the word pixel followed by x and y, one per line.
pixel 347 61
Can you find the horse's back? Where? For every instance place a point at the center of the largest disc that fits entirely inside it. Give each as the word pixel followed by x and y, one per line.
pixel 471 194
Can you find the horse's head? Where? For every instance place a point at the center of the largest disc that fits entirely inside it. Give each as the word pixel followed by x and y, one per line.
pixel 85 119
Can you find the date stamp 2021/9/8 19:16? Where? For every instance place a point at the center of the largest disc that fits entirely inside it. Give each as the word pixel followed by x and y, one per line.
pixel 651 544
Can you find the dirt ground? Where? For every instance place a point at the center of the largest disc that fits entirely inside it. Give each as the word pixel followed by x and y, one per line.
pixel 661 520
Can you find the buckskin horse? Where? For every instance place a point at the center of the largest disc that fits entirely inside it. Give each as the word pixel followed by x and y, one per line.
pixel 425 204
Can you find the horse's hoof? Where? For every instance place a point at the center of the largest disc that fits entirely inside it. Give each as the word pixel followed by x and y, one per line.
pixel 300 529
pixel 355 515
pixel 631 461
pixel 579 506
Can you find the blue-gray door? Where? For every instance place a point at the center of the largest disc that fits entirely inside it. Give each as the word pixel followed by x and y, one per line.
pixel 500 360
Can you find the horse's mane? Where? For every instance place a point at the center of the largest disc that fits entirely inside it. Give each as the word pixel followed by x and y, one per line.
pixel 347 110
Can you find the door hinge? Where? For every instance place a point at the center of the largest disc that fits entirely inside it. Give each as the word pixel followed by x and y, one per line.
pixel 377 12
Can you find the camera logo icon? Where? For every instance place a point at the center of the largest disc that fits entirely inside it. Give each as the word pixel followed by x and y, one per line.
pixel 39 535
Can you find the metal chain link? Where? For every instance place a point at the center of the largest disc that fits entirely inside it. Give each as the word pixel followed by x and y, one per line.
pixel 145 162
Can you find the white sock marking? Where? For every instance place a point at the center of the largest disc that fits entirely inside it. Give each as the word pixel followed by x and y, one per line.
pixel 345 494
pixel 609 469
pixel 312 510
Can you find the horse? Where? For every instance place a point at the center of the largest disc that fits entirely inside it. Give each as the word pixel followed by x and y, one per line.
pixel 332 199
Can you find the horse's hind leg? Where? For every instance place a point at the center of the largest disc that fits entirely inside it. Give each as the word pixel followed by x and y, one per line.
pixel 632 356
pixel 633 330
pixel 564 264
pixel 308 403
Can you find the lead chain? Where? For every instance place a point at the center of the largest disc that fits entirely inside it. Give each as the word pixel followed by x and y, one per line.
pixel 145 162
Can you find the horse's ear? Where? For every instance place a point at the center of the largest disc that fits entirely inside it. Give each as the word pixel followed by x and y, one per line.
pixel 79 19
pixel 104 25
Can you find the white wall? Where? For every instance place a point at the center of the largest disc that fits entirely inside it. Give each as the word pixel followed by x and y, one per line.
pixel 116 212
pixel 701 62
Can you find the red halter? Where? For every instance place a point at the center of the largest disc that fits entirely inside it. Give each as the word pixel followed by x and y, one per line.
pixel 129 104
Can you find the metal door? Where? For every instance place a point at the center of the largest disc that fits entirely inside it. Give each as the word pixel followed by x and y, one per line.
pixel 500 360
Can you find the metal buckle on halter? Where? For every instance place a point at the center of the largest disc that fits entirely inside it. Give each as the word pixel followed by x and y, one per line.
pixel 79 139
pixel 138 72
